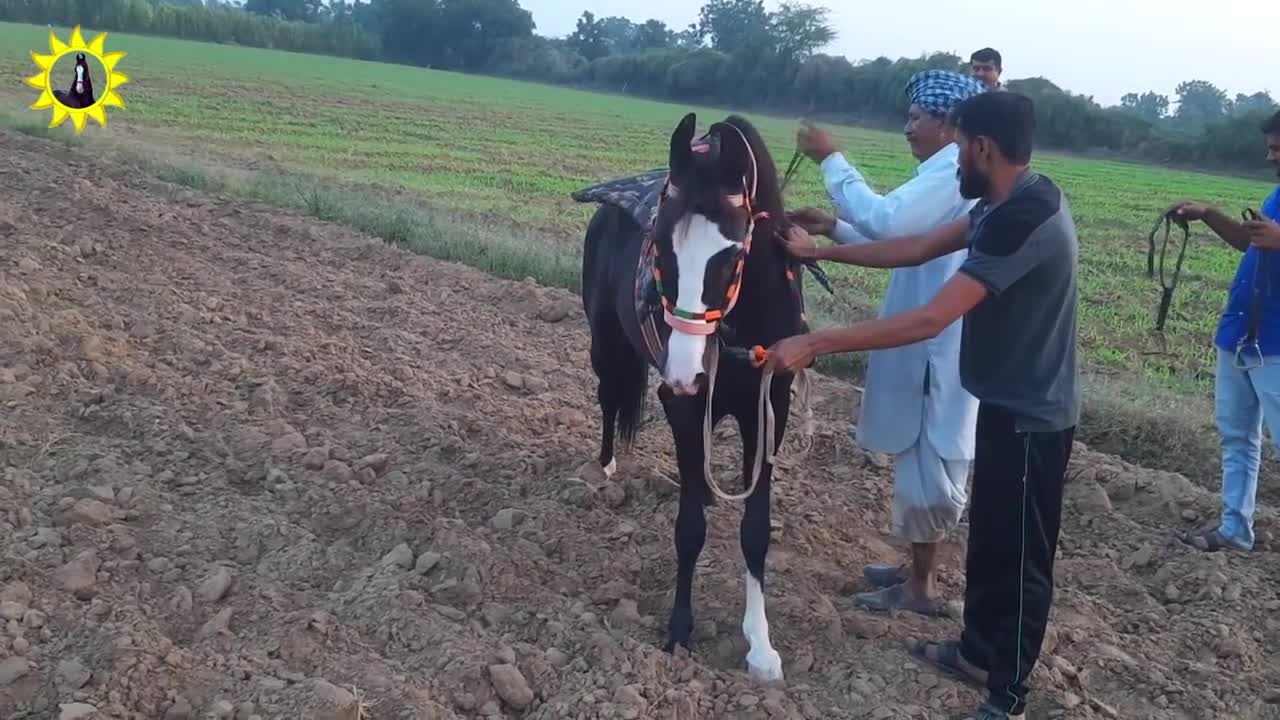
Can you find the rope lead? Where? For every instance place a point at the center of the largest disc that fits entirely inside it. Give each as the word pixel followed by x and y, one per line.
pixel 765 422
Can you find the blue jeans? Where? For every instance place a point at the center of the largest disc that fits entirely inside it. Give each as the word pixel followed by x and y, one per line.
pixel 1244 399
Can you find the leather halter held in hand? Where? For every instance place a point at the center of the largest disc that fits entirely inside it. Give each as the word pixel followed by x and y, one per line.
pixel 706 323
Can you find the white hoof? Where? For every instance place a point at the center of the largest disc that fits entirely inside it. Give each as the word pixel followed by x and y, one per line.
pixel 611 468
pixel 765 667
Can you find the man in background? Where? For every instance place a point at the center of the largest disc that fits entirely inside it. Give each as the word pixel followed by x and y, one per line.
pixel 914 407
pixel 1248 344
pixel 986 66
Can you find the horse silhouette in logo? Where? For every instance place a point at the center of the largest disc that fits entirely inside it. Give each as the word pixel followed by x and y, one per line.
pixel 81 94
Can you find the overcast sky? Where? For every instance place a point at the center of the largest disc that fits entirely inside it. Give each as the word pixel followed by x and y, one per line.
pixel 1103 48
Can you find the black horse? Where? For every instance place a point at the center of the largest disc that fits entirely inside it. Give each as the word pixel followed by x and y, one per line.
pixel 81 93
pixel 722 278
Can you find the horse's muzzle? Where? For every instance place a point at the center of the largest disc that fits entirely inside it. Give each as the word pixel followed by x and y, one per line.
pixel 685 389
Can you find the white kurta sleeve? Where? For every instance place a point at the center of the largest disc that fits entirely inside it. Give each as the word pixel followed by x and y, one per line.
pixel 923 202
pixel 846 234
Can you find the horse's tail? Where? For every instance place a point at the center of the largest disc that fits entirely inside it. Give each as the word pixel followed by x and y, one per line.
pixel 610 314
pixel 632 393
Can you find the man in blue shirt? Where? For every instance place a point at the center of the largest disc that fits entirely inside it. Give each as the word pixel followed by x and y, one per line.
pixel 1248 343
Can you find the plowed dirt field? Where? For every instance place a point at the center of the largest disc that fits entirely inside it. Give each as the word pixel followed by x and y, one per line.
pixel 254 465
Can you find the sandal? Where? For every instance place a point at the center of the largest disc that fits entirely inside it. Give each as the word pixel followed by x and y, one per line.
pixel 896 598
pixel 947 660
pixel 1208 540
pixel 880 576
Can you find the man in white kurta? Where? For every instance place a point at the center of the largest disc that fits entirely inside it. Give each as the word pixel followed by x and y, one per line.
pixel 914 407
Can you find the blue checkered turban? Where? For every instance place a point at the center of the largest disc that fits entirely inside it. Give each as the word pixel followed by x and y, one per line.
pixel 937 91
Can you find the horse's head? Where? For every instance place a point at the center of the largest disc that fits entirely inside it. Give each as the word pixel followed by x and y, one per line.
pixel 702 236
pixel 83 85
pixel 82 72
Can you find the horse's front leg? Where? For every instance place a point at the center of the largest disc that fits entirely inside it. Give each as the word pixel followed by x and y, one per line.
pixel 763 662
pixel 684 415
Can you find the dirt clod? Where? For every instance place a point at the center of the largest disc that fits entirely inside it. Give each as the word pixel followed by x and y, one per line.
pixel 12 669
pixel 215 586
pixel 76 711
pixel 401 556
pixel 10 610
pixel 507 519
pixel 88 511
pixel 72 674
pixel 511 685
pixel 79 576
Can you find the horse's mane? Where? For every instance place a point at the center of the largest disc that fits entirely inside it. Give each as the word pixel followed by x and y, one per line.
pixel 768 189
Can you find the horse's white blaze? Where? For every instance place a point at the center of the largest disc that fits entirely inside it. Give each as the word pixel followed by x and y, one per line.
pixel 763 662
pixel 695 240
pixel 79 78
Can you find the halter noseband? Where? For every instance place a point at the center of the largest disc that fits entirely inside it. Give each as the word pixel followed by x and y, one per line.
pixel 706 322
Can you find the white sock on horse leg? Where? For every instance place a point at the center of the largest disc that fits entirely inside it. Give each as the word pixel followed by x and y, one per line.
pixel 763 662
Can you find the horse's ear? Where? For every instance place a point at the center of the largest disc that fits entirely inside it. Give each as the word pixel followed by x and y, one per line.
pixel 737 163
pixel 681 162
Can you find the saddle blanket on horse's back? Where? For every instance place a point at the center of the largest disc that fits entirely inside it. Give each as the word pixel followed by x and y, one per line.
pixel 638 196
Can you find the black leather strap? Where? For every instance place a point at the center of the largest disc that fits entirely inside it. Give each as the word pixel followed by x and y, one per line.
pixel 1255 302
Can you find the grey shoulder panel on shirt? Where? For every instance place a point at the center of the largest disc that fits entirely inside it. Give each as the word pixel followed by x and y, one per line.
pixel 1015 237
pixel 1010 225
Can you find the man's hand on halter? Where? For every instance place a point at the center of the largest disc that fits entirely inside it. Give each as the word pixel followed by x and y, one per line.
pixel 814 221
pixel 792 354
pixel 1263 234
pixel 816 143
pixel 800 244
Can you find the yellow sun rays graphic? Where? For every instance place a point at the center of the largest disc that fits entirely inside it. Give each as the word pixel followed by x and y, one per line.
pixel 108 96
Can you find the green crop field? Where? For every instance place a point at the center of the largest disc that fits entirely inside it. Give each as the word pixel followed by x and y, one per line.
pixel 507 154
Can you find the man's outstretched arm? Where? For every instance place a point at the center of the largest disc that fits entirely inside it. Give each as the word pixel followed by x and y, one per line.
pixel 1231 232
pixel 961 294
pixel 897 252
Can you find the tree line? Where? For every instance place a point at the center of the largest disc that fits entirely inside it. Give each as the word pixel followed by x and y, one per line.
pixel 737 53
pixel 215 21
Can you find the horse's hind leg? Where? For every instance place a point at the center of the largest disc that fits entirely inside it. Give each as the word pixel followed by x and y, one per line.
pixel 604 343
